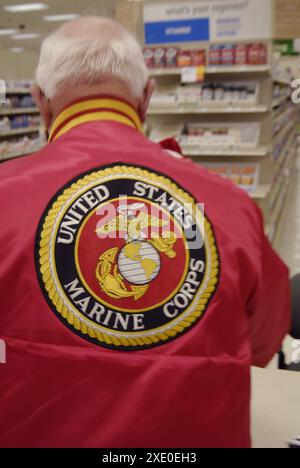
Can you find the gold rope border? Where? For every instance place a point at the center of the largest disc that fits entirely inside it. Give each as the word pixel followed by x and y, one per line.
pixel 55 296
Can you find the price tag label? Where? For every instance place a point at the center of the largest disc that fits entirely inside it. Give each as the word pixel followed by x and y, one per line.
pixel 192 75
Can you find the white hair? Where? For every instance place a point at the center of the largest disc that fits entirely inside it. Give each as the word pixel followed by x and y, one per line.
pixel 88 51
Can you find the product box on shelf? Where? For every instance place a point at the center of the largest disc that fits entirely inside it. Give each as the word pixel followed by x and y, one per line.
pixel 245 175
pixel 160 57
pixel 189 95
pixel 210 94
pixel 13 85
pixel 17 103
pixel 165 96
pixel 165 131
pixel 241 54
pixel 235 93
pixel 215 55
pixel 228 54
pixel 185 58
pixel 20 146
pixel 173 57
pixel 232 135
pixel 238 54
pixel 149 57
pixel 218 55
pixel 19 122
pixel 199 58
pixel 214 136
pixel 257 54
pixel 222 135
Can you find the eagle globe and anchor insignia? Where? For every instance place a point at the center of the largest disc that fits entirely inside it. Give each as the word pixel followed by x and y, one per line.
pixel 126 258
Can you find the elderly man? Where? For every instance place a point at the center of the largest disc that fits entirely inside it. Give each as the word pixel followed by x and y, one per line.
pixel 131 315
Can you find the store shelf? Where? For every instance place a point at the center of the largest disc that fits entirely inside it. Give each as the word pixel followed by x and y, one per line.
pixel 279 200
pixel 281 120
pixel 21 131
pixel 279 223
pixel 238 69
pixel 271 197
pixel 222 70
pixel 260 109
pixel 287 147
pixel 20 154
pixel 195 152
pixel 23 91
pixel 273 156
pixel 282 81
pixel 272 190
pixel 279 101
pixel 165 72
pixel 22 111
pixel 276 192
pixel 261 192
pixel 283 132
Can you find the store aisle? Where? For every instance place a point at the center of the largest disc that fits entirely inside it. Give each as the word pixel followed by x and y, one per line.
pixel 290 242
pixel 290 248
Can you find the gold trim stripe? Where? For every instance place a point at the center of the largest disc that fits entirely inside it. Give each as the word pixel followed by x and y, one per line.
pixel 93 117
pixel 94 105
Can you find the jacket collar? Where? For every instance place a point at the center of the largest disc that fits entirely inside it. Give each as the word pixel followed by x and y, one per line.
pixel 92 109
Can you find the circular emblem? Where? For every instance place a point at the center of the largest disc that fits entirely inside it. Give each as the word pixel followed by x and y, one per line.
pixel 126 258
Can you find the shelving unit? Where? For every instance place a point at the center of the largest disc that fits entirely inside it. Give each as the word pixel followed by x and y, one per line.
pixel 20 131
pixel 21 139
pixel 279 101
pixel 20 154
pixel 258 152
pixel 18 91
pixel 228 70
pixel 206 109
pixel 278 117
pixel 274 152
pixel 21 111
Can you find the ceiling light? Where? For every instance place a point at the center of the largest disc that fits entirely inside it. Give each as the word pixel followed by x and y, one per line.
pixel 7 32
pixel 21 37
pixel 68 17
pixel 17 50
pixel 24 7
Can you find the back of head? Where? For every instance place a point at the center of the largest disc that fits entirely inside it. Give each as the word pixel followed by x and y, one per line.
pixel 91 51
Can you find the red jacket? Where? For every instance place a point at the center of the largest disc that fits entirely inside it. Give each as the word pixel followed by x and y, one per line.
pixel 130 319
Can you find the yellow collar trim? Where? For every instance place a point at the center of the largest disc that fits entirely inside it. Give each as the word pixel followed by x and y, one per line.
pixel 94 109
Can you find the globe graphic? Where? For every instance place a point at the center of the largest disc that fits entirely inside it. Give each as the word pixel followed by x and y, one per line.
pixel 139 263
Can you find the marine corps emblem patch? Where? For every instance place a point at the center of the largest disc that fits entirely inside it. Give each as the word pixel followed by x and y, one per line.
pixel 126 258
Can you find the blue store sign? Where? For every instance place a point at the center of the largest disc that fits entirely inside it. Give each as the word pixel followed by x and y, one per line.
pixel 168 32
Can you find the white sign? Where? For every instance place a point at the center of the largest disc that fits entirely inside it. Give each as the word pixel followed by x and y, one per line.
pixel 2 92
pixel 189 75
pixel 192 74
pixel 228 19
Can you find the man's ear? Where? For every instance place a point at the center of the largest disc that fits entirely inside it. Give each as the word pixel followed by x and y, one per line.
pixel 146 99
pixel 43 105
